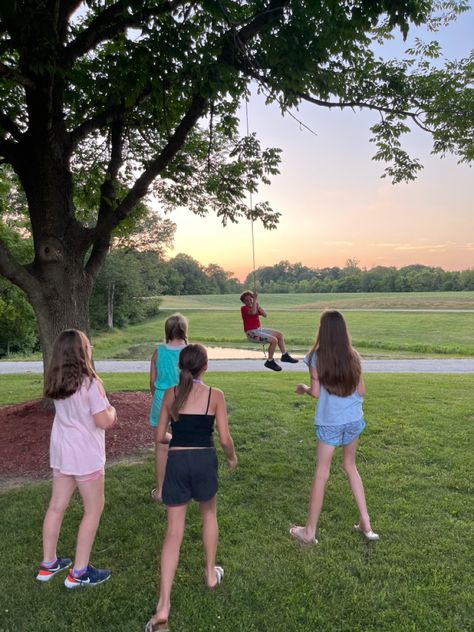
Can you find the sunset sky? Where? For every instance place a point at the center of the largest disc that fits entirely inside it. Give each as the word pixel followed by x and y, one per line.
pixel 333 202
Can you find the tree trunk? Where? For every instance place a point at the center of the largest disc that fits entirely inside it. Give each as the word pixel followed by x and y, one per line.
pixel 110 305
pixel 59 307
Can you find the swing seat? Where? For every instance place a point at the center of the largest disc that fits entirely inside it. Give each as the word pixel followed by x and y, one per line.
pixel 257 342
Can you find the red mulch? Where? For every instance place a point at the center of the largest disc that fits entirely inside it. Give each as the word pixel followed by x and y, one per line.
pixel 25 430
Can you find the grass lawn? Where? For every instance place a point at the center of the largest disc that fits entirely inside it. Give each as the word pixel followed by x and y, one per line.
pixel 373 333
pixel 354 300
pixel 416 462
pixel 434 324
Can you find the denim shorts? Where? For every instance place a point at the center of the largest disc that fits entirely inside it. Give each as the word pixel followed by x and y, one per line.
pixel 340 435
pixel 190 474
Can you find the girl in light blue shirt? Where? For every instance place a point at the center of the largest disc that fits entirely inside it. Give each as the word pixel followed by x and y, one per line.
pixel 336 380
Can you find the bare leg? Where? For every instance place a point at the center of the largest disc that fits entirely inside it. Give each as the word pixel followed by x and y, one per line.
pixel 161 458
pixel 275 339
pixel 63 488
pixel 210 535
pixel 324 454
pixel 92 494
pixel 170 559
pixel 355 481
pixel 281 341
pixel 272 343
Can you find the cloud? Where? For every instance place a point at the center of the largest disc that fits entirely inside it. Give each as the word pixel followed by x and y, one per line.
pixel 408 246
pixel 339 243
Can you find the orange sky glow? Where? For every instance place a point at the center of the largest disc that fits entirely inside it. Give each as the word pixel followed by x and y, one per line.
pixel 333 202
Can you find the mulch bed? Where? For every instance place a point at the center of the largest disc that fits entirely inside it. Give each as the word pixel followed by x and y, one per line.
pixel 25 430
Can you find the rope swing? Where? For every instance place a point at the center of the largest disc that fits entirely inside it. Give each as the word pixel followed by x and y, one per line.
pixel 251 209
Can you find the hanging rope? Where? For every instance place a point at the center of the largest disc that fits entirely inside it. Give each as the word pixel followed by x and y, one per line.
pixel 251 208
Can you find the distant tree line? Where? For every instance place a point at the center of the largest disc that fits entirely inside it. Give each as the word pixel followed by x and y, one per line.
pixel 130 284
pixel 285 277
pixel 126 292
pixel 128 287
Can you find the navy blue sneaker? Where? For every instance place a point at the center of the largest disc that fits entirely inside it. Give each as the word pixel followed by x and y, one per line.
pixel 45 573
pixel 271 364
pixel 90 577
pixel 287 358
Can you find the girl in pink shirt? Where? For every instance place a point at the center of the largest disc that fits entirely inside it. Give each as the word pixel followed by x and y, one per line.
pixel 77 455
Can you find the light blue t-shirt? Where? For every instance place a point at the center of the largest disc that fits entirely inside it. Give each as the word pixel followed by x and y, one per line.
pixel 333 410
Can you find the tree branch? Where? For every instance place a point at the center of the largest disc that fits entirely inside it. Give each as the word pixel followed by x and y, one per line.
pixel 10 127
pixel 15 272
pixel 111 22
pixel 7 150
pixel 14 75
pixel 96 122
pixel 366 106
pixel 108 200
pixel 233 40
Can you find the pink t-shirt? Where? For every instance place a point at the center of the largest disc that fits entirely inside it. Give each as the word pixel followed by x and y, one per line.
pixel 77 445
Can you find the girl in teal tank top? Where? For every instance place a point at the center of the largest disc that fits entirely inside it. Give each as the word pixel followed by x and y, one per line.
pixel 164 373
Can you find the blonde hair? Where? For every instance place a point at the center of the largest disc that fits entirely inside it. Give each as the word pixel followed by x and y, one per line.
pixel 176 328
pixel 337 362
pixel 192 361
pixel 70 363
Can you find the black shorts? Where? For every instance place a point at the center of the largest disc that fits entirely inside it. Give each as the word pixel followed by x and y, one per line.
pixel 190 474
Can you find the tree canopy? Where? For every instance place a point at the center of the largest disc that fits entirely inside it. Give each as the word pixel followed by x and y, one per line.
pixel 105 105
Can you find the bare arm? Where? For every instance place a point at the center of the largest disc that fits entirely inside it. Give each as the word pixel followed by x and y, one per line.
pixel 162 434
pixel 361 387
pixel 153 372
pixel 106 418
pixel 315 388
pixel 222 425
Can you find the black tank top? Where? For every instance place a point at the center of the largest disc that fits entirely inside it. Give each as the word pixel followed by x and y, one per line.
pixel 193 430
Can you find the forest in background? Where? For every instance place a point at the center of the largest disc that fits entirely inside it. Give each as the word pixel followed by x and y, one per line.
pixel 131 282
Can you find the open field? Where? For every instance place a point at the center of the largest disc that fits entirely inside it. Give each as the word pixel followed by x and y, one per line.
pixel 375 334
pixel 414 457
pixel 372 300
pixel 389 325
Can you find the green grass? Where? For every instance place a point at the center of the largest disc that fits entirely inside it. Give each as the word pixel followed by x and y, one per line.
pixel 215 320
pixel 415 459
pixel 24 387
pixel 361 300
pixel 373 333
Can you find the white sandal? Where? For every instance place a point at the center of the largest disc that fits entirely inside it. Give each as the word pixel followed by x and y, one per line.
pixel 369 535
pixel 219 571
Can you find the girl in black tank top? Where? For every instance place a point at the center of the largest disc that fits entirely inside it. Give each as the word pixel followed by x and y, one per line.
pixel 193 410
pixel 193 430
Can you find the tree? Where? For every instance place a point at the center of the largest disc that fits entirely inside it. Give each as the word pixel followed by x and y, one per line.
pixel 135 97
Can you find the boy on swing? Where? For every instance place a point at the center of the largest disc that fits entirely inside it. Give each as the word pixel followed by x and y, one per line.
pixel 251 312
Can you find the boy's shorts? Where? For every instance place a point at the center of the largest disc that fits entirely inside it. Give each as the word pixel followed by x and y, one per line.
pixel 260 335
pixel 190 474
pixel 340 435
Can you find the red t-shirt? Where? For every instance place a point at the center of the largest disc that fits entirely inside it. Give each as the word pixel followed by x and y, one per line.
pixel 251 321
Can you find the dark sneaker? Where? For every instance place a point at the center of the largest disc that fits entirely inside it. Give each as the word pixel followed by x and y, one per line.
pixel 271 364
pixel 287 358
pixel 45 573
pixel 91 577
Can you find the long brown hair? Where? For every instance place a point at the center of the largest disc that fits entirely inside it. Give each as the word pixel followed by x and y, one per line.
pixel 337 362
pixel 192 361
pixel 70 363
pixel 176 328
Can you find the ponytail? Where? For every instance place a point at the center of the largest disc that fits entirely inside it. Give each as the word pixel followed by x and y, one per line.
pixel 182 392
pixel 192 362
